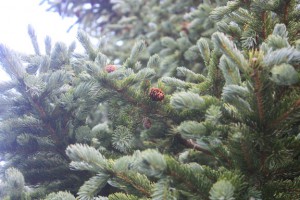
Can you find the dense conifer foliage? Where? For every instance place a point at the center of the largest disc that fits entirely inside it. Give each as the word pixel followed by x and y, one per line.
pixel 178 100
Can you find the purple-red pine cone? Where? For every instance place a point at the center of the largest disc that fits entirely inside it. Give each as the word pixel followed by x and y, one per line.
pixel 147 123
pixel 156 94
pixel 110 68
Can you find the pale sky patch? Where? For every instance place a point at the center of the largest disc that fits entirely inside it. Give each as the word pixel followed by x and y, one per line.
pixel 15 17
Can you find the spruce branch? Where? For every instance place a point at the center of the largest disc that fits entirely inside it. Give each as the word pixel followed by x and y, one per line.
pixel 212 77
pixel 60 195
pixel 71 48
pixel 43 115
pixel 284 74
pixel 15 179
pixel 7 85
pixel 150 162
pixel 231 52
pixel 169 42
pixel 183 71
pixel 163 190
pixel 191 129
pixel 192 176
pixel 86 158
pixel 122 139
pixel 220 152
pixel 92 186
pixel 237 96
pixel 127 176
pixel 11 63
pixel 277 122
pixel 219 12
pixel 101 61
pixel 119 196
pixel 131 95
pixel 122 90
pixel 87 44
pixel 33 101
pixel 137 181
pixel 174 82
pixel 204 50
pixel 13 185
pixel 153 62
pixel 187 100
pixel 280 30
pixel 145 74
pixel 136 52
pixel 222 190
pixel 288 55
pixel 59 57
pixel 249 161
pixel 33 37
pixel 48 45
pixel 241 150
pixel 230 71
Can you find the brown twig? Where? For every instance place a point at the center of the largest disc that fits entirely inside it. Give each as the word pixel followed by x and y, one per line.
pixel 264 32
pixel 258 95
pixel 192 144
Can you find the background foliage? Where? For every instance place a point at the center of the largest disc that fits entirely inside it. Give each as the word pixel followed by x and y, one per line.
pixel 178 100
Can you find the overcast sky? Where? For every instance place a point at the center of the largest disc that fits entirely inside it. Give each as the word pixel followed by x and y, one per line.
pixel 15 15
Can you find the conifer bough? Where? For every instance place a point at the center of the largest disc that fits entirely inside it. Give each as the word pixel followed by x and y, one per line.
pixel 221 123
